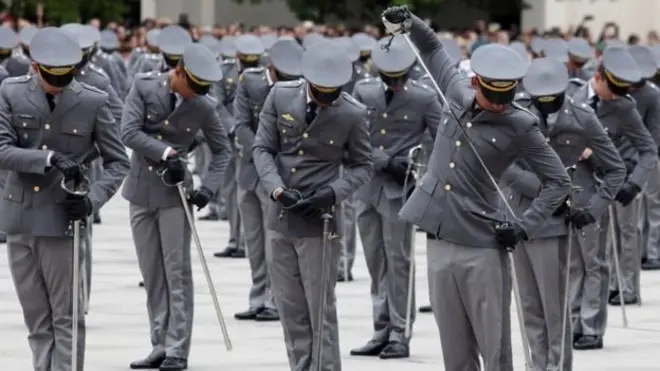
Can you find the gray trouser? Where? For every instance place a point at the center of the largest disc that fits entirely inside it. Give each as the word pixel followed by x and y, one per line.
pixel 295 266
pixel 229 192
pixel 162 243
pixel 202 158
pixel 589 275
pixel 386 243
pixel 470 292
pixel 254 209
pixel 541 270
pixel 348 208
pixel 42 270
pixel 629 255
pixel 648 225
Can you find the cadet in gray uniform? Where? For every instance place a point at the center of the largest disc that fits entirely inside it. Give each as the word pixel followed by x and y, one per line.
pixel 148 59
pixel 110 61
pixel 400 111
pixel 54 123
pixel 607 92
pixel 249 50
pixel 306 129
pixel 541 262
pixel 579 54
pixel 647 97
pixel 163 113
pixel 8 42
pixel 19 63
pixel 456 201
pixel 365 43
pixel 254 85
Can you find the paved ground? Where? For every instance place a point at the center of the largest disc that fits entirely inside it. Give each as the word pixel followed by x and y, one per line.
pixel 118 331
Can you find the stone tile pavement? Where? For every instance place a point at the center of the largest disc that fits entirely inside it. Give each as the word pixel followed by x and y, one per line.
pixel 118 329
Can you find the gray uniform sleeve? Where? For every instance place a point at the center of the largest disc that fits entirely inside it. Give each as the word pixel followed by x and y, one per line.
pixel 520 180
pixel 114 103
pixel 12 157
pixel 555 183
pixel 243 116
pixel 432 116
pixel 652 120
pixel 113 153
pixel 379 158
pixel 131 127
pixel 641 139
pixel 267 145
pixel 219 94
pixel 358 167
pixel 606 158
pixel 216 138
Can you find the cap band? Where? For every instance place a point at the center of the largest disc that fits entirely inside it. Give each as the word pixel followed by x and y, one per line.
pixel 497 86
pixel 174 57
pixel 195 79
pixel 394 74
pixel 547 99
pixel 324 89
pixel 249 57
pixel 5 51
pixel 56 71
pixel 577 59
pixel 614 80
pixel 364 53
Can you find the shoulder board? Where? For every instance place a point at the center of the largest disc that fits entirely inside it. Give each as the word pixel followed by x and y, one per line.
pixel 525 110
pixel 577 81
pixel 523 99
pixel 422 85
pixel 147 75
pixel 229 61
pixel 630 98
pixel 367 81
pixel 254 70
pixel 289 84
pixel 349 98
pixel 92 88
pixel 17 79
pixel 211 99
pixel 97 69
pixel 652 85
pixel 581 106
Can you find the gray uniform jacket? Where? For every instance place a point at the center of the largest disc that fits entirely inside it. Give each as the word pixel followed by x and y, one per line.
pixel 18 65
pixel 136 54
pixel 648 106
pixel 29 131
pixel 395 129
pixel 3 74
pixel 289 153
pixel 251 94
pixel 456 200
pixel 230 73
pixel 96 77
pixel 575 128
pixel 150 124
pixel 114 67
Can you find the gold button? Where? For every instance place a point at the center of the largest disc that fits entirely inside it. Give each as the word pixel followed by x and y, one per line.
pixel 469 124
pixel 568 142
pixel 305 135
pixel 385 115
pixel 493 140
pixel 10 196
pixel 75 131
pixel 44 147
pixel 452 165
pixel 159 137
pixel 448 187
pixel 300 152
pixel 47 127
pixel 381 148
pixel 547 139
pixel 187 129
pixel 458 143
pixel 405 117
pixel 149 117
pixel 166 122
pixel 405 88
pixel 331 142
pixel 150 168
pixel 293 170
pixel 36 188
pixel 383 131
pixel 24 124
pixel 283 131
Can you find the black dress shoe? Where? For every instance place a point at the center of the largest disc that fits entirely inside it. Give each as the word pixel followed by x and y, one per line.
pixel 576 337
pixel 141 284
pixel 371 349
pixel 612 294
pixel 589 342
pixel 226 253
pixel 628 300
pixel 651 265
pixel 150 362
pixel 267 315
pixel 97 218
pixel 174 364
pixel 425 309
pixel 342 277
pixel 249 314
pixel 212 216
pixel 395 350
pixel 238 254
pixel 3 238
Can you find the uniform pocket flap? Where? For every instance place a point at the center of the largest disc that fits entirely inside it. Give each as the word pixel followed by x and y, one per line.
pixel 428 183
pixel 26 121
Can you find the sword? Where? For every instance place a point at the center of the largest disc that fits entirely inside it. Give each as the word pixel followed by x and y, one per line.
pixel 615 255
pixel 325 277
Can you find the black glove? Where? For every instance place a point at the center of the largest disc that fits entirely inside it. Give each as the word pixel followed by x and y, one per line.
pixel 77 207
pixel 397 19
pixel 201 197
pixel 508 235
pixel 564 208
pixel 580 218
pixel 176 171
pixel 398 169
pixel 288 198
pixel 67 167
pixel 316 204
pixel 627 193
